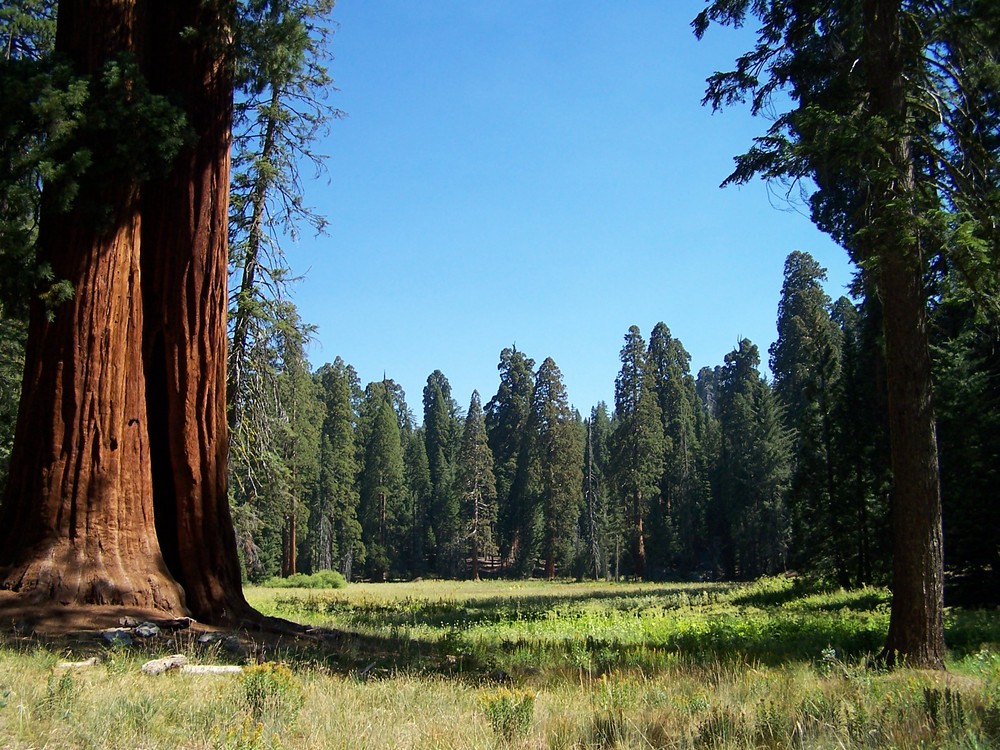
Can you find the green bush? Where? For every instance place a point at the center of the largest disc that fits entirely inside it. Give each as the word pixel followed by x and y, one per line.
pixel 510 712
pixel 321 579
pixel 271 694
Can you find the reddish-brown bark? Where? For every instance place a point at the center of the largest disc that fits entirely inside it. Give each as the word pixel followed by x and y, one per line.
pixel 118 482
pixel 77 519
pixel 184 267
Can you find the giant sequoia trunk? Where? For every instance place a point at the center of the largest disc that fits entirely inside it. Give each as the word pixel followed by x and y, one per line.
pixel 916 627
pixel 184 266
pixel 77 518
pixel 121 443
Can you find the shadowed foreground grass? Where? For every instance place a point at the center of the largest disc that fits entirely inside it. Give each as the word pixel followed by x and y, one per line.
pixel 535 665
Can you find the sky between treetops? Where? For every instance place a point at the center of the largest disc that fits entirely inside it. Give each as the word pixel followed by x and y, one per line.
pixel 538 173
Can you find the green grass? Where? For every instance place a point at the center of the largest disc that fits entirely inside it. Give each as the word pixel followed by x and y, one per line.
pixel 503 625
pixel 535 665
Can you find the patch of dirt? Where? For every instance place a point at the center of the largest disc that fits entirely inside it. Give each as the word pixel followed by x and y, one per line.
pixel 81 627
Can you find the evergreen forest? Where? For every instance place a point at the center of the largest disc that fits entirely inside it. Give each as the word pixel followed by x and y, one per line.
pixel 716 474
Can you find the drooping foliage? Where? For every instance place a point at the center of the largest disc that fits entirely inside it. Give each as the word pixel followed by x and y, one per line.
pixel 281 51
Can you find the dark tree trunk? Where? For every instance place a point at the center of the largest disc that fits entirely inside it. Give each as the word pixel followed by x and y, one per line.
pixel 77 517
pixel 639 538
pixel 916 629
pixel 289 545
pixel 184 266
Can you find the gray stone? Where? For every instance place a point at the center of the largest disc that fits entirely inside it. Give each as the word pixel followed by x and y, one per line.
pixel 146 630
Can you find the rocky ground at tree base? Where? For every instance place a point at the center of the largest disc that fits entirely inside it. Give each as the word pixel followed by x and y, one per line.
pixel 90 629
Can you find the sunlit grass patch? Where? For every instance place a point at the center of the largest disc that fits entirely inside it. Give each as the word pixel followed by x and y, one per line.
pixel 610 625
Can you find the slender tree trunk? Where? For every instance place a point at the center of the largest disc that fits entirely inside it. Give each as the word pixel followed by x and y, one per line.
pixel 251 264
pixel 639 543
pixel 595 551
pixel 77 517
pixel 475 556
pixel 184 268
pixel 916 630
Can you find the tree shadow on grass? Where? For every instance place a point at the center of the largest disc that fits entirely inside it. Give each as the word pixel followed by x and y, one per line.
pixel 379 638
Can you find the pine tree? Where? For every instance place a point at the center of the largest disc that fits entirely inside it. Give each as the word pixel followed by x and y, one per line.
pixel 862 446
pixel 754 465
pixel 419 494
pixel 300 419
pixel 442 432
pixel 603 525
pixel 638 446
pixel 682 486
pixel 805 360
pixel 382 510
pixel 892 116
pixel 281 78
pixel 477 487
pixel 507 415
pixel 335 532
pixel 558 459
pixel 967 387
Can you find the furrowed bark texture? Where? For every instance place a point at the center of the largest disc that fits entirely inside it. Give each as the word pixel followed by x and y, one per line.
pixel 77 519
pixel 118 486
pixel 184 267
pixel 916 623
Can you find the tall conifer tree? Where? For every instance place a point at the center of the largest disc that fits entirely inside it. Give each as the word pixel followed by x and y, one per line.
pixel 754 468
pixel 419 494
pixel 335 532
pixel 682 486
pixel 477 488
pixel 892 115
pixel 557 455
pixel 507 415
pixel 638 447
pixel 382 484
pixel 442 432
pixel 805 361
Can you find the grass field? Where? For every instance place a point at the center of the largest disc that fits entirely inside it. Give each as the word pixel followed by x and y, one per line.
pixel 535 665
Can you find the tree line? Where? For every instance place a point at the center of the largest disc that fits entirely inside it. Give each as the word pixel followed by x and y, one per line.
pixel 719 474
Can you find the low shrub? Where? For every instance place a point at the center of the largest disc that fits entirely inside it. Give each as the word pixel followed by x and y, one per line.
pixel 270 694
pixel 509 712
pixel 321 579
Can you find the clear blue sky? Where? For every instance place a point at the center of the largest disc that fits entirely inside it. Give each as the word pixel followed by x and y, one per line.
pixel 537 172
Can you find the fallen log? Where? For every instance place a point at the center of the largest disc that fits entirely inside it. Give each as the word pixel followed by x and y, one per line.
pixel 91 662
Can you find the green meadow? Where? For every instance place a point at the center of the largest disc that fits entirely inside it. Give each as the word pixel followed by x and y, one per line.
pixel 503 664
